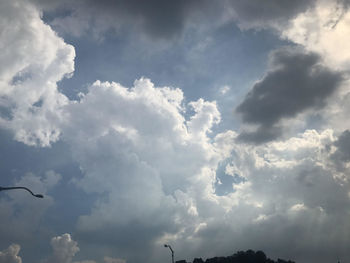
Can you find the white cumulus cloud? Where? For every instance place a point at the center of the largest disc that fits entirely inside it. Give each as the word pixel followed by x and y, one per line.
pixel 137 147
pixel 64 249
pixel 32 61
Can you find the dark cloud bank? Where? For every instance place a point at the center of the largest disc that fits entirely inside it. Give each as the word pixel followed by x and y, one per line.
pixel 166 19
pixel 297 81
pixel 156 18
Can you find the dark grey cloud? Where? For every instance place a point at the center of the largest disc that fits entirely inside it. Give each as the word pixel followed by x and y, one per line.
pixel 257 13
pixel 166 19
pixel 342 154
pixel 343 145
pixel 297 81
pixel 261 135
pixel 157 18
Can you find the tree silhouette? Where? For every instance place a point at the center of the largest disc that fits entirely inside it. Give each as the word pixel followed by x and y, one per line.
pixel 248 256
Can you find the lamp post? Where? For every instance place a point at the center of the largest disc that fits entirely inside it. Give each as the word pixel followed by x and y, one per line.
pixel 20 187
pixel 172 252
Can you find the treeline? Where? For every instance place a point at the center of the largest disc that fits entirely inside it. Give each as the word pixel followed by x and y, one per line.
pixel 248 256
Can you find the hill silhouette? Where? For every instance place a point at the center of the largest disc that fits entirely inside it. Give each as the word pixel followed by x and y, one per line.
pixel 248 256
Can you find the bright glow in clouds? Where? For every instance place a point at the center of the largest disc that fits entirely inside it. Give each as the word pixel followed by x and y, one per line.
pixel 324 29
pixel 32 61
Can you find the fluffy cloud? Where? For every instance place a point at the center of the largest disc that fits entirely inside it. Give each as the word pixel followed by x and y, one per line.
pixel 123 158
pixel 10 255
pixel 291 195
pixel 64 249
pixel 297 81
pixel 147 197
pixel 33 61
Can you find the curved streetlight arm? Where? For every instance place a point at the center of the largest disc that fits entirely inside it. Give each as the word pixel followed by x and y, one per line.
pixel 20 187
pixel 172 252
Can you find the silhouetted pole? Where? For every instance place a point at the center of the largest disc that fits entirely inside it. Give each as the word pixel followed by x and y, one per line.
pixel 20 187
pixel 172 252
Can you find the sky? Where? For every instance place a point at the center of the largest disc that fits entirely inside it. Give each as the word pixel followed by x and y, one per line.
pixel 212 126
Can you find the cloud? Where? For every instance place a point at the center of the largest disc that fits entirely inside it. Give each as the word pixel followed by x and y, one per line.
pixel 323 29
pixel 291 195
pixel 223 90
pixel 158 19
pixel 342 153
pixel 167 20
pixel 297 81
pixel 259 14
pixel 151 159
pixel 64 249
pixel 147 197
pixel 23 212
pixel 34 61
pixel 10 255
pixel 114 260
pixel 123 158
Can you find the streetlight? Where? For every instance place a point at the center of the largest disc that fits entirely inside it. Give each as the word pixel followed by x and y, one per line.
pixel 20 187
pixel 172 252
